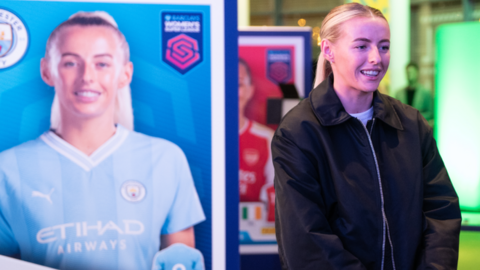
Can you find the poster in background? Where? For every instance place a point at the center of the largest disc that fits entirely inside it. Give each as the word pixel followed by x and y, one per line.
pixel 274 55
pixel 176 95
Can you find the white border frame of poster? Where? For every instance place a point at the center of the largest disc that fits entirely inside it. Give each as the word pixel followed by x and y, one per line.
pixel 218 129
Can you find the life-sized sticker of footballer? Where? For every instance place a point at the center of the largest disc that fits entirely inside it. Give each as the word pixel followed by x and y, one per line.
pixel 91 193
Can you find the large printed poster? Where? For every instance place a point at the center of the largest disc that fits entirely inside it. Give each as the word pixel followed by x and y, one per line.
pixel 269 58
pixel 149 183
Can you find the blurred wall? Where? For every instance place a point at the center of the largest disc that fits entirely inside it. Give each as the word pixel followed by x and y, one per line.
pixel 426 16
pixel 243 12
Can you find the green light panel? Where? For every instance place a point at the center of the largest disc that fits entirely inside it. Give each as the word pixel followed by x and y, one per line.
pixel 457 108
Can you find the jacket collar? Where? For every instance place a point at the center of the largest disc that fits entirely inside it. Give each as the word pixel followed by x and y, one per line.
pixel 329 109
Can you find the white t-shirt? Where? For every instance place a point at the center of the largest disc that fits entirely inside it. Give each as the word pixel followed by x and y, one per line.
pixel 364 116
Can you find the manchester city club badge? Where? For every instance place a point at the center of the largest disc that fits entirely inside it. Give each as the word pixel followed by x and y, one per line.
pixel 133 191
pixel 13 39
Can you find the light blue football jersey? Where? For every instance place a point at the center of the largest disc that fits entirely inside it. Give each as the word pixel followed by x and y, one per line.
pixel 64 209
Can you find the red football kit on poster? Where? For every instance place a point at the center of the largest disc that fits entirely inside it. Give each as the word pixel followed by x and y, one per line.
pixel 256 167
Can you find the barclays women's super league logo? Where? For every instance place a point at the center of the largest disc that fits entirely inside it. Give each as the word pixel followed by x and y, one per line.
pixel 13 39
pixel 182 40
pixel 279 65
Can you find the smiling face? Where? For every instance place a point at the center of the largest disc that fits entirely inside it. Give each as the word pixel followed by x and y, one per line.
pixel 360 57
pixel 87 68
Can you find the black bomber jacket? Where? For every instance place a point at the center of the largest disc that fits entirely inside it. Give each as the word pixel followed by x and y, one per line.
pixel 356 197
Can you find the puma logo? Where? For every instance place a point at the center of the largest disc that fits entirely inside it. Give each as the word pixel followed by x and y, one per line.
pixel 41 195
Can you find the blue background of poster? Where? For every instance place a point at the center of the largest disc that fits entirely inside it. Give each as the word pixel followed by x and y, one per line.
pixel 166 103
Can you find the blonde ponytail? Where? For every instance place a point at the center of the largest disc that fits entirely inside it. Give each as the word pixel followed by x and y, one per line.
pixel 323 70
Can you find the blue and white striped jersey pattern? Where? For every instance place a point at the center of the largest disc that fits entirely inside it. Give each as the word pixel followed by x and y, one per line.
pixel 64 209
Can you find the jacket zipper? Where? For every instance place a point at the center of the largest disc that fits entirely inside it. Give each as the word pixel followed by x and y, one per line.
pixel 384 217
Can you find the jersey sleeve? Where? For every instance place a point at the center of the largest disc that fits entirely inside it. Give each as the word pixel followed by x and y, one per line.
pixel 186 209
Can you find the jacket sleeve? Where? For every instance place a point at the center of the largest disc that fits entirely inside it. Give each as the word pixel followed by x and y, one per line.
pixel 305 239
pixel 441 209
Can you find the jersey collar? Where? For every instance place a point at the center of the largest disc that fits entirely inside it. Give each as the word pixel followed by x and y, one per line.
pixel 81 159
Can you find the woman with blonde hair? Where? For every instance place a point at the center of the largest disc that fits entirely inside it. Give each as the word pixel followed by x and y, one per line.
pixel 358 178
pixel 91 193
